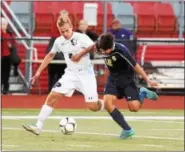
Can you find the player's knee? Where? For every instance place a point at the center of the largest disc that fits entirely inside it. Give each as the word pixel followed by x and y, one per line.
pixel 134 110
pixel 134 106
pixel 52 98
pixel 93 106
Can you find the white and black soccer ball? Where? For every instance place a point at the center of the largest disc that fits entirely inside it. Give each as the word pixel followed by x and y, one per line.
pixel 68 126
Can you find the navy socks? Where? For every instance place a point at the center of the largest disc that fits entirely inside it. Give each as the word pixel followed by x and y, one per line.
pixel 119 119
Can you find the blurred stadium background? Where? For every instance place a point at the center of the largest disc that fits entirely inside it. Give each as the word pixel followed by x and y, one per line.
pixel 159 27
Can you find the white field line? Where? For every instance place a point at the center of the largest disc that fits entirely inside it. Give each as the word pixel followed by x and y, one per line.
pixel 155 137
pixel 167 129
pixel 100 117
pixel 101 134
pixel 149 145
pixel 87 146
pixel 143 112
pixel 146 145
pixel 149 137
pixel 3 145
pixel 162 121
pixel 80 145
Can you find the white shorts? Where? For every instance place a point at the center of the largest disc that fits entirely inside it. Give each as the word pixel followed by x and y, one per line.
pixel 80 79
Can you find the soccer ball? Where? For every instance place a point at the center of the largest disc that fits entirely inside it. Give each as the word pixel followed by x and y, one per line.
pixel 68 126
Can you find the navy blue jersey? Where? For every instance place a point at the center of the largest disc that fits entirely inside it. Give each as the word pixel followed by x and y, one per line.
pixel 120 63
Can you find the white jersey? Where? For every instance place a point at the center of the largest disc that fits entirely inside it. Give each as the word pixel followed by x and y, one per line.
pixel 78 75
pixel 75 44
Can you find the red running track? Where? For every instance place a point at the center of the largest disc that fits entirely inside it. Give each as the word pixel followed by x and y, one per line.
pixel 77 102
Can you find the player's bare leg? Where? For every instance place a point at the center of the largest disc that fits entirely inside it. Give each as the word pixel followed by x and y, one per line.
pixel 95 105
pixel 135 105
pixel 45 111
pixel 101 104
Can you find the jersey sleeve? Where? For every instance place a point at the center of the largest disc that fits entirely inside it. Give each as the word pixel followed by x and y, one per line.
pixel 85 41
pixel 127 56
pixel 55 47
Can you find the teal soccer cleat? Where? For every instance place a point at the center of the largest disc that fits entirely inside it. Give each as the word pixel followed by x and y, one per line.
pixel 149 94
pixel 127 134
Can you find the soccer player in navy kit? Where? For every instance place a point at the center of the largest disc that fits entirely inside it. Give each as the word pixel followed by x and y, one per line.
pixel 121 81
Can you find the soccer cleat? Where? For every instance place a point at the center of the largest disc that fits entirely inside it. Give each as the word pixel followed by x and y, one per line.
pixel 126 134
pixel 32 128
pixel 149 94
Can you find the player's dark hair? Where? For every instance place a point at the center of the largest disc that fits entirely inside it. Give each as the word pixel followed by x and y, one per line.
pixel 106 41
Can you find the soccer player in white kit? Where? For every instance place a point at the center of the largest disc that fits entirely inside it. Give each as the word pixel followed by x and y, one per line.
pixel 78 75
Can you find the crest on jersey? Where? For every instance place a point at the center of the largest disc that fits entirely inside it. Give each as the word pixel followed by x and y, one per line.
pixel 114 58
pixel 73 42
pixel 57 84
pixel 109 62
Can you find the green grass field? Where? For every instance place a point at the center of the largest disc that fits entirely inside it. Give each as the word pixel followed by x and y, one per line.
pixel 96 134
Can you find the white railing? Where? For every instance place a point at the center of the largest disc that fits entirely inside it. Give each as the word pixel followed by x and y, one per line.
pixel 19 35
pixel 143 54
pixel 14 29
pixel 141 41
pixel 23 41
pixel 164 41
pixel 16 19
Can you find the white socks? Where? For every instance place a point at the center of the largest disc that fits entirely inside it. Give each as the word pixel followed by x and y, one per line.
pixel 43 115
pixel 102 104
pixel 47 110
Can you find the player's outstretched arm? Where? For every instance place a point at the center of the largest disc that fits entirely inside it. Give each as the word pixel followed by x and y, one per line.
pixel 43 65
pixel 77 57
pixel 140 71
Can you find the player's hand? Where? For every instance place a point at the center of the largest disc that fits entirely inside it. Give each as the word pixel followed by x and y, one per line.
pixel 153 84
pixel 76 57
pixel 35 78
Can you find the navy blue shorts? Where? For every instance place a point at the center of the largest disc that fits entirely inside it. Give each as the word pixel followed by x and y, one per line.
pixel 129 90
